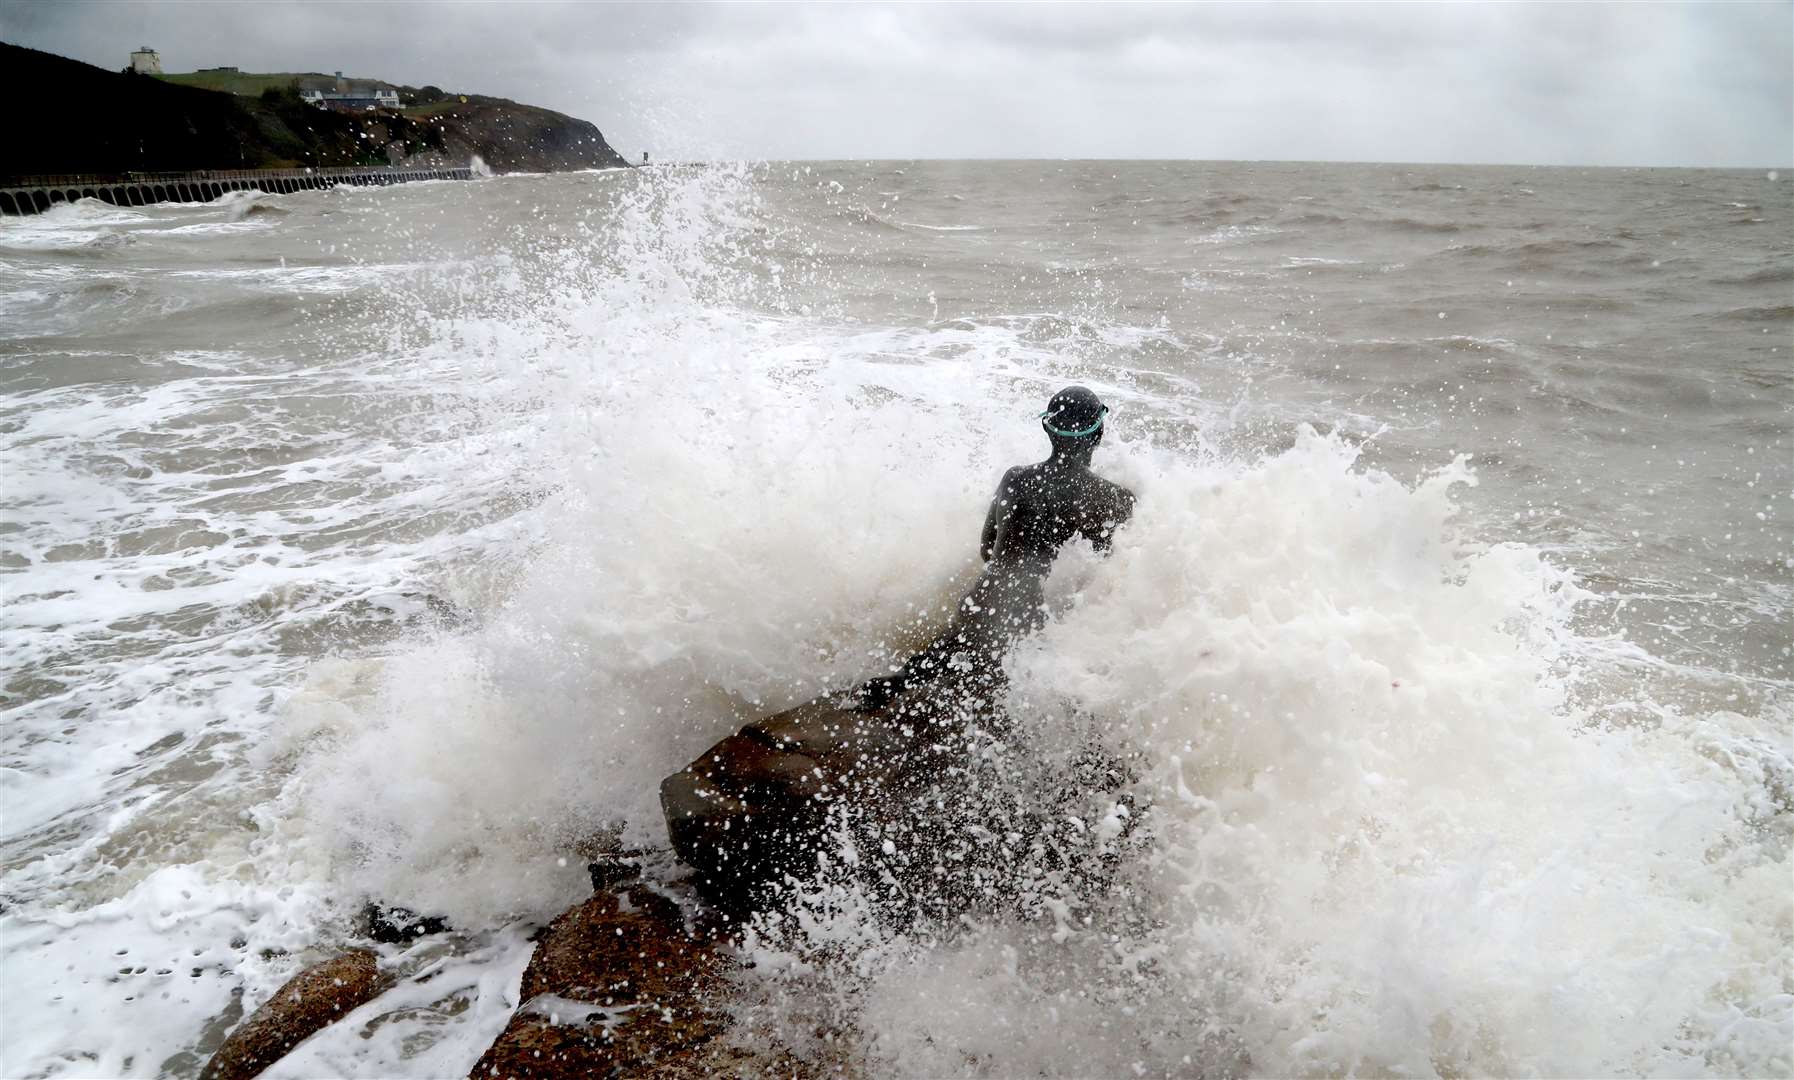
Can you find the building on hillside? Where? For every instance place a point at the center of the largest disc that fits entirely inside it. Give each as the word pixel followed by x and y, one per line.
pixel 350 96
pixel 145 61
pixel 352 100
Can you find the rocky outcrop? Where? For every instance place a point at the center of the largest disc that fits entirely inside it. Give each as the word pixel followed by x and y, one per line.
pixel 510 137
pixel 310 1000
pixel 108 123
pixel 622 984
pixel 391 925
pixel 921 804
pixel 751 809
pixel 756 807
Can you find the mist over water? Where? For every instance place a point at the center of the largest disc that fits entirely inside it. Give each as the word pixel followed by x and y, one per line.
pixel 391 542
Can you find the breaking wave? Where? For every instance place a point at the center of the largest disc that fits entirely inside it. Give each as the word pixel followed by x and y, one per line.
pixel 579 504
pixel 1392 822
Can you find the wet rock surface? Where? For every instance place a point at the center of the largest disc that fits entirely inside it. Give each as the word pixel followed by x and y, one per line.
pixel 621 985
pixel 756 807
pixel 397 925
pixel 310 1000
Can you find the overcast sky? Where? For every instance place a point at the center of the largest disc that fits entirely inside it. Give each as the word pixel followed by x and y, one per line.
pixel 1708 83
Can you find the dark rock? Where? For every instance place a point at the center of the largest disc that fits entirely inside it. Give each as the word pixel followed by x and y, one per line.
pixel 712 805
pixel 397 925
pixel 302 1006
pixel 756 807
pixel 513 137
pixel 620 985
pixel 613 869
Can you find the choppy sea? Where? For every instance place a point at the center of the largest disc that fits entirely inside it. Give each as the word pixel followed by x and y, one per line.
pixel 386 543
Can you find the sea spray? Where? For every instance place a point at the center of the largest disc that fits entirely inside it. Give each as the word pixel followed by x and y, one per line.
pixel 724 528
pixel 1381 810
pixel 339 538
pixel 1385 836
pixel 1385 840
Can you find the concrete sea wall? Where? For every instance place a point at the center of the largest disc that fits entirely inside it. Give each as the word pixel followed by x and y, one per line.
pixel 35 194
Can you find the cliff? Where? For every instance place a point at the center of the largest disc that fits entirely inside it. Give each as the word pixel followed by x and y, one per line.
pixel 71 117
pixel 516 138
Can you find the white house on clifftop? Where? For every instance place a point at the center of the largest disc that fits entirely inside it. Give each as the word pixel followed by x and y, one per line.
pixel 346 95
pixel 145 61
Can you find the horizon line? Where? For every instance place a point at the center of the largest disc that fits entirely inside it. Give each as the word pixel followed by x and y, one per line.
pixel 729 160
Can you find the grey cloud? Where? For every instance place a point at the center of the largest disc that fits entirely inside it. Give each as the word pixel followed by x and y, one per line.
pixel 1547 83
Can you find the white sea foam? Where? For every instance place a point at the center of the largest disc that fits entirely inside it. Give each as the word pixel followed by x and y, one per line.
pixel 238 205
pixel 448 1007
pixel 1391 822
pixel 214 228
pixel 83 212
pixel 940 228
pixel 1230 234
pixel 65 226
pixel 39 238
pixel 784 493
pixel 1387 841
pixel 1379 814
pixel 1383 815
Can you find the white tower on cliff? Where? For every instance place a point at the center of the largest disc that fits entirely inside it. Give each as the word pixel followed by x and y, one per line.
pixel 145 61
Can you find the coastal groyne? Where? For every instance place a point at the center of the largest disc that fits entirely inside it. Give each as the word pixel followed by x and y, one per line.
pixel 21 195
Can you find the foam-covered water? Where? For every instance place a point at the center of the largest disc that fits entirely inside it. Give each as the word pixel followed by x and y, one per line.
pixel 391 542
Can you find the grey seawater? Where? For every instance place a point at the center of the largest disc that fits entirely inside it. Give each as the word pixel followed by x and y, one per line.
pixel 1611 347
pixel 266 459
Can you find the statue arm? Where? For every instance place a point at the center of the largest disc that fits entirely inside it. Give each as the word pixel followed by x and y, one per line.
pixel 1121 508
pixel 993 518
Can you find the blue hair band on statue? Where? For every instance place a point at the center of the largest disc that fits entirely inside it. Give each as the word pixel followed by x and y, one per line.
pixel 1091 430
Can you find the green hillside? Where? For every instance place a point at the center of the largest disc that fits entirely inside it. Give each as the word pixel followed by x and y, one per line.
pixel 424 101
pixel 248 84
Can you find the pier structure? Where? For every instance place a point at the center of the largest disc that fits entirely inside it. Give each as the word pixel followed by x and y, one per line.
pixel 35 194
